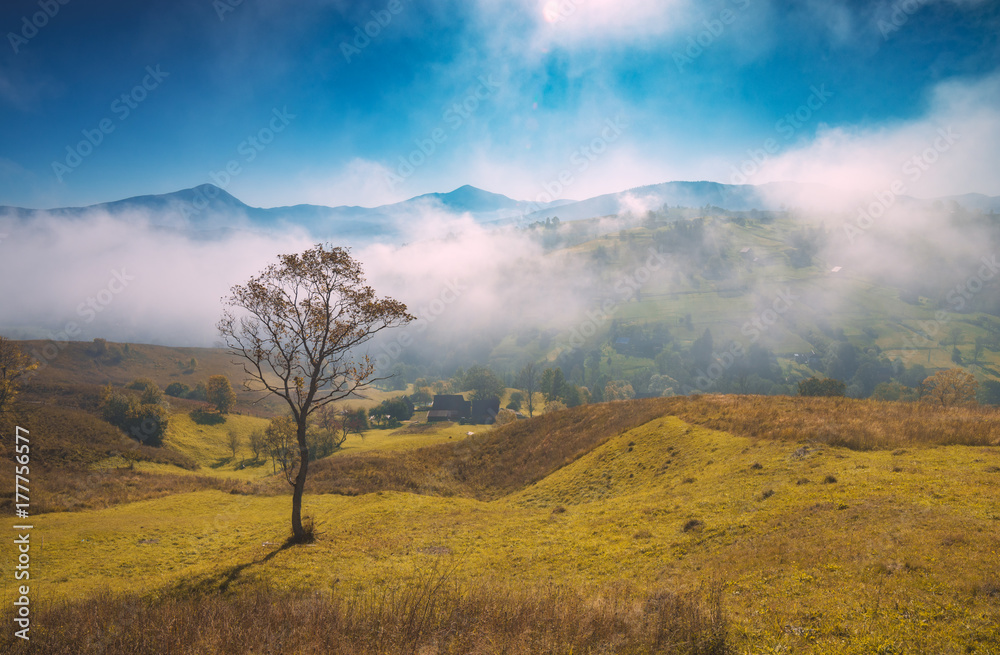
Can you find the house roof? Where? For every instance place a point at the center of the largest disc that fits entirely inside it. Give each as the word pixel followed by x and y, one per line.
pixel 450 402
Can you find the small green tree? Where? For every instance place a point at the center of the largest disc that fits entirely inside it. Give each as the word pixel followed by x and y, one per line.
pixel 484 383
pixel 395 410
pixel 233 441
pixel 552 383
pixel 257 443
pixel 421 395
pixel 220 393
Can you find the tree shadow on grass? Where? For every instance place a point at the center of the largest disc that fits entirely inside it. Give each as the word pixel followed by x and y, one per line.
pixel 234 572
pixel 222 461
pixel 220 582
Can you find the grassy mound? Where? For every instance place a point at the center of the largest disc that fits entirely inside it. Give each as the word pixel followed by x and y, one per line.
pixel 491 463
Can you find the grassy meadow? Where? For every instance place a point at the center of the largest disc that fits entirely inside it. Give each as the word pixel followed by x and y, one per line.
pixel 762 532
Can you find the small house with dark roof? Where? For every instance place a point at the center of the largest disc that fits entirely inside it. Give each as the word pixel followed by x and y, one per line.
pixel 449 407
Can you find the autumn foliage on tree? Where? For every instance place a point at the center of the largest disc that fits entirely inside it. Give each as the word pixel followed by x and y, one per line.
pixel 951 388
pixel 296 328
pixel 220 393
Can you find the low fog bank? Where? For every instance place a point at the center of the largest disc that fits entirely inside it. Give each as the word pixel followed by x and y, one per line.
pixel 122 278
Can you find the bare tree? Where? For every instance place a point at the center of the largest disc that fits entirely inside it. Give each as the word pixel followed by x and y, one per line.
pixel 279 436
pixel 300 324
pixel 527 380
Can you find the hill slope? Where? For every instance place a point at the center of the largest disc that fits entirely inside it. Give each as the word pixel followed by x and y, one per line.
pixel 819 548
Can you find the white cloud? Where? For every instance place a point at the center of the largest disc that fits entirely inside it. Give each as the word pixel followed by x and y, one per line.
pixel 577 21
pixel 952 149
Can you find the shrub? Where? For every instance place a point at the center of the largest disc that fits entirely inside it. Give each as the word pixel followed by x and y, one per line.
pixel 145 422
pixel 200 392
pixel 505 416
pixel 554 406
pixel 177 389
pixel 826 387
pixel 894 391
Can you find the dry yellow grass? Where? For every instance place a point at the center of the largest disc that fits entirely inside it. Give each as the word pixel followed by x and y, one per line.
pixel 854 424
pixel 818 548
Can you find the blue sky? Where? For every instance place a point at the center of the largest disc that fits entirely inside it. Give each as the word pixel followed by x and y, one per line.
pixel 525 97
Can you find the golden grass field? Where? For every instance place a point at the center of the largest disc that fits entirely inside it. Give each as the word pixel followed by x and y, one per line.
pixel 887 546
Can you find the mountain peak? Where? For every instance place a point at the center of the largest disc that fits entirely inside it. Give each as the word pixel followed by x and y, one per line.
pixel 468 198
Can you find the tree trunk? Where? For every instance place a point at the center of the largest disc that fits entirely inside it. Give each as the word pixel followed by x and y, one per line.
pixel 298 534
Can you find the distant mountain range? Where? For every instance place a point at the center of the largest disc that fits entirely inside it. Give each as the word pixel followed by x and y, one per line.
pixel 208 209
